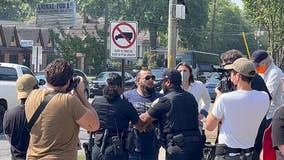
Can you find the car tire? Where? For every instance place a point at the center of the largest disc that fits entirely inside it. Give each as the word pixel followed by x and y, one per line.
pixel 2 111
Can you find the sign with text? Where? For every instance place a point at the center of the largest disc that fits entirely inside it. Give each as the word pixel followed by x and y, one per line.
pixel 56 14
pixel 123 40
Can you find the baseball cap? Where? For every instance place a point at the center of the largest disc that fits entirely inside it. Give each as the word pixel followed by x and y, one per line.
pixel 25 84
pixel 259 55
pixel 242 66
pixel 173 75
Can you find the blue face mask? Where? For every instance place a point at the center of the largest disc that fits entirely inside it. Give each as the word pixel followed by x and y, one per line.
pixel 184 76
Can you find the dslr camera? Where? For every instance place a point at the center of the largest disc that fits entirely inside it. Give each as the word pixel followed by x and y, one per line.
pixel 73 83
pixel 225 84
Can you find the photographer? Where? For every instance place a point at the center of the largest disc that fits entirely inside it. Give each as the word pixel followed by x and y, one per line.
pixel 257 83
pixel 115 114
pixel 54 134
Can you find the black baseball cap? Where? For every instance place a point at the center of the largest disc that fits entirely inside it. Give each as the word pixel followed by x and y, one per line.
pixel 173 75
pixel 259 55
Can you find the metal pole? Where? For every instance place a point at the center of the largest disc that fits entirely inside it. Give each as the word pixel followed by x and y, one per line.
pixel 36 59
pixel 172 34
pixel 212 44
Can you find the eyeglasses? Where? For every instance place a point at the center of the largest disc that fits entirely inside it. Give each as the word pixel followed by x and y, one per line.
pixel 150 77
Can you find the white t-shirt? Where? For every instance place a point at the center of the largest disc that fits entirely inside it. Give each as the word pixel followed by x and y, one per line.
pixel 241 113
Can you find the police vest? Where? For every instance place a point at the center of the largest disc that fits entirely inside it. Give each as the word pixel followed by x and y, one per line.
pixel 183 113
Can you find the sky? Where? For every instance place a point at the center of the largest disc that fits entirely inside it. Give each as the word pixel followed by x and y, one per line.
pixel 238 2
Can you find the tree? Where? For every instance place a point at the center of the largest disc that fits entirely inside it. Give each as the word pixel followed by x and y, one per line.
pixel 268 14
pixel 190 29
pixel 69 45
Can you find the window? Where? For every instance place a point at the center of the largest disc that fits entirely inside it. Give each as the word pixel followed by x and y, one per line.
pixel 1 57
pixel 8 74
pixel 26 70
pixel 13 58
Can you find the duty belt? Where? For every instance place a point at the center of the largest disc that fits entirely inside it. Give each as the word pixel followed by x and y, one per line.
pixel 222 149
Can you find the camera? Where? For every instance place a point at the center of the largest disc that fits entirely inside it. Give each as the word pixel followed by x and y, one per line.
pixel 225 84
pixel 73 83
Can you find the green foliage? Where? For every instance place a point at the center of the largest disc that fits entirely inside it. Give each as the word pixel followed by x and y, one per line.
pixel 268 14
pixel 191 28
pixel 90 47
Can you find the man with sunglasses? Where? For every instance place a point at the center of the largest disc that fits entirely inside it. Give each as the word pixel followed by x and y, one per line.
pixel 15 123
pixel 177 115
pixel 143 145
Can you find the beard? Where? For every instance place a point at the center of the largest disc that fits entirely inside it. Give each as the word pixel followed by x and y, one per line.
pixel 147 90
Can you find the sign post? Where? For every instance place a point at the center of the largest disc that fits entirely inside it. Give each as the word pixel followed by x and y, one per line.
pixel 37 58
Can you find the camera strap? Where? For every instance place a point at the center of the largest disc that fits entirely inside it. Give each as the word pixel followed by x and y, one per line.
pixel 38 111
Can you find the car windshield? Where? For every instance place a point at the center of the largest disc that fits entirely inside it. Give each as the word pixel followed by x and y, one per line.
pixel 158 73
pixel 40 75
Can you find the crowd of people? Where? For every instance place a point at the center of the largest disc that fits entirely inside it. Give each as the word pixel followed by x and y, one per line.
pixel 249 115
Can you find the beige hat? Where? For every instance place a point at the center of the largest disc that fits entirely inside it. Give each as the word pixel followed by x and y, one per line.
pixel 243 66
pixel 25 84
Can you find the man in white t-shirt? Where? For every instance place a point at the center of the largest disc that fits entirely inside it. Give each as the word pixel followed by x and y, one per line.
pixel 240 112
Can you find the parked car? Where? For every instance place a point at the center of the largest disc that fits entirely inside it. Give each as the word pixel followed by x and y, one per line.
pixel 158 73
pixel 98 84
pixel 41 78
pixel 211 84
pixel 9 73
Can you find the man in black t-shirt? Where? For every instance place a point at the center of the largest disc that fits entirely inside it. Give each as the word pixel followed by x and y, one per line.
pixel 14 122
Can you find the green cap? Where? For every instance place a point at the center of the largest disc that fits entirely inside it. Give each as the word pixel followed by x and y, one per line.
pixel 243 66
pixel 25 84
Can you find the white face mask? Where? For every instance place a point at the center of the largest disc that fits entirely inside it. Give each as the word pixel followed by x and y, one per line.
pixel 184 76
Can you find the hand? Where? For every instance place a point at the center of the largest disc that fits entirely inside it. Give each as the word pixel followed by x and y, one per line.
pixel 79 90
pixel 200 116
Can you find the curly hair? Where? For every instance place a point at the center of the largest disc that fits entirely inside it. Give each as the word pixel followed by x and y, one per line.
pixel 110 90
pixel 230 56
pixel 58 72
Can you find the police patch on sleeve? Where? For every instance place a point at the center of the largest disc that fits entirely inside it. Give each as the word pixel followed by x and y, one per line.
pixel 159 101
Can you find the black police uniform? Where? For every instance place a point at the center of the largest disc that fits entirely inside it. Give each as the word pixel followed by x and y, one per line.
pixel 177 113
pixel 114 119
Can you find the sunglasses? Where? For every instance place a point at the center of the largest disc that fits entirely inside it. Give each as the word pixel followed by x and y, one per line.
pixel 150 77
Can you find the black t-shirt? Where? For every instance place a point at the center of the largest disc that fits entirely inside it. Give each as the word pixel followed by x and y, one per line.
pixel 278 130
pixel 14 126
pixel 177 111
pixel 259 85
pixel 115 115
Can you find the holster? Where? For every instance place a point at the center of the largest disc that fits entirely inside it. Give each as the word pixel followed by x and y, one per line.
pixel 179 140
pixel 117 145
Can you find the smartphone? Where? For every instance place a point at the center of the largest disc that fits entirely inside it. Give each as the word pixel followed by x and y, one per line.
pixel 73 83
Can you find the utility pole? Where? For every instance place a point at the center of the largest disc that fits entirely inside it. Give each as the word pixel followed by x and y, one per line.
pixel 212 44
pixel 106 27
pixel 172 34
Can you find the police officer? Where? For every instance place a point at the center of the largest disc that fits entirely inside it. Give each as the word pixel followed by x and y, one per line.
pixel 115 115
pixel 177 113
